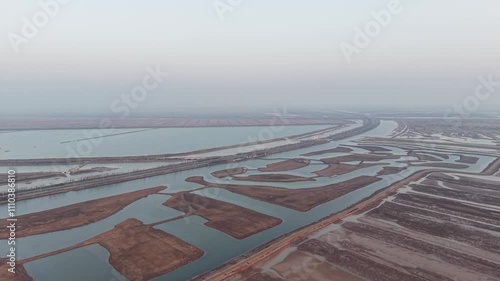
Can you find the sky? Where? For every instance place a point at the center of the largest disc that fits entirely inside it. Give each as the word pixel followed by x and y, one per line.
pixel 83 57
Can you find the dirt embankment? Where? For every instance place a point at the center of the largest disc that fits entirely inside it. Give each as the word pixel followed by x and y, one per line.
pixel 141 252
pixel 231 219
pixel 229 172
pixel 326 151
pixel 286 165
pixel 75 215
pixel 341 169
pixel 273 178
pixel 298 199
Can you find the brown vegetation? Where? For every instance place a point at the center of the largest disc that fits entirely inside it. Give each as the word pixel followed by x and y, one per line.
pixel 234 220
pixel 286 165
pixel 141 252
pixel 229 172
pixel 391 171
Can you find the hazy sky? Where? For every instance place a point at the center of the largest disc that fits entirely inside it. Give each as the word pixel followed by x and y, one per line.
pixel 281 52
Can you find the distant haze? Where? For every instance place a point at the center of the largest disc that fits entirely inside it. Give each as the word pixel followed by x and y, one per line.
pixel 264 53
